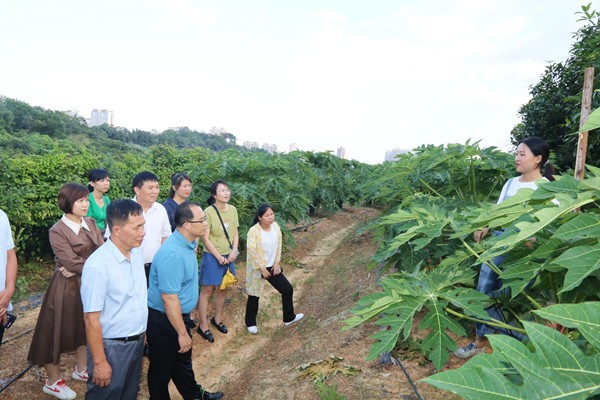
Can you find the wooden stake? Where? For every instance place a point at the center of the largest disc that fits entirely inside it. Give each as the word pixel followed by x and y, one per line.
pixel 586 105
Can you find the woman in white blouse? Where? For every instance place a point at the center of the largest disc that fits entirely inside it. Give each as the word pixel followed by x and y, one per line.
pixel 262 264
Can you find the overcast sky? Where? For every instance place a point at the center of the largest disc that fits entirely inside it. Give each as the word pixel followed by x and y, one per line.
pixel 365 75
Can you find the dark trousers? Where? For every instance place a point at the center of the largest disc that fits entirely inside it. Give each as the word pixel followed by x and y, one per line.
pixel 147 267
pixel 1 332
pixel 283 286
pixel 166 362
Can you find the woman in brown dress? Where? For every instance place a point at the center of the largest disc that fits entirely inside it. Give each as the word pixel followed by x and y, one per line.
pixel 60 327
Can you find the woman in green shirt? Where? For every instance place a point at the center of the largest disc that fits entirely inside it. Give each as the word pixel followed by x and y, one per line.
pixel 98 186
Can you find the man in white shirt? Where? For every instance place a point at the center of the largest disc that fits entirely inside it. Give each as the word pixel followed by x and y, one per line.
pixel 114 297
pixel 8 270
pixel 158 228
pixel 146 188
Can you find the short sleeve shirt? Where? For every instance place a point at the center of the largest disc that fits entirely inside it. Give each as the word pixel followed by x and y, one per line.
pixel 174 271
pixel 116 287
pixel 156 228
pixel 512 186
pixel 217 235
pixel 6 244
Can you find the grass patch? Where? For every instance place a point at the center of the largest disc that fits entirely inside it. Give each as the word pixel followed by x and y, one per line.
pixel 32 277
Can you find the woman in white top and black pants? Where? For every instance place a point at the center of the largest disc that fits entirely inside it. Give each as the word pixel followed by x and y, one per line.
pixel 262 263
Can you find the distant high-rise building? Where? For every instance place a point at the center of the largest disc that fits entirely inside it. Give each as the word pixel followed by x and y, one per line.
pixel 293 147
pixel 269 148
pixel 390 155
pixel 100 117
pixel 250 145
pixel 341 152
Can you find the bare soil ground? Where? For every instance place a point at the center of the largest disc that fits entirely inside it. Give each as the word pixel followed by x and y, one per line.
pixel 327 268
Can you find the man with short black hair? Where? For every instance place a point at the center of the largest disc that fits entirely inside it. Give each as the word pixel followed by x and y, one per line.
pixel 172 295
pixel 8 270
pixel 114 296
pixel 146 188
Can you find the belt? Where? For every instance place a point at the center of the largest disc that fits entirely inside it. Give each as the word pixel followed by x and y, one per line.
pixel 126 339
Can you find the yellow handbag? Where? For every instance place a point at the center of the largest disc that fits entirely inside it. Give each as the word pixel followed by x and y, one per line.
pixel 228 280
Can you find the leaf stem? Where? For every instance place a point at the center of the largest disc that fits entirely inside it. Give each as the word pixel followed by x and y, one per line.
pixel 492 322
pixel 490 264
pixel 429 187
pixel 532 300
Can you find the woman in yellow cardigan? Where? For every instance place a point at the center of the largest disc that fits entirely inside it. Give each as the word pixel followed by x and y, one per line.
pixel 262 263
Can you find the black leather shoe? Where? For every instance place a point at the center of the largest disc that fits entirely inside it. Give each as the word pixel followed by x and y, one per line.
pixel 212 396
pixel 220 327
pixel 207 335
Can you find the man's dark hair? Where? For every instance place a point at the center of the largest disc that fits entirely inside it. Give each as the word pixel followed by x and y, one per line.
pixel 184 213
pixel 119 211
pixel 145 176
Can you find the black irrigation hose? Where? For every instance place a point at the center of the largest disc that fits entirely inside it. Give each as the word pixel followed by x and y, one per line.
pixel 19 335
pixel 20 374
pixel 387 358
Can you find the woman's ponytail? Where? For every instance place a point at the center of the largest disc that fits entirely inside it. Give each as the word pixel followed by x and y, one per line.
pixel 549 171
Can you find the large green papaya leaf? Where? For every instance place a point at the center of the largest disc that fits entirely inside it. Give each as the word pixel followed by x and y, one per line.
pixel 542 218
pixel 580 262
pixel 437 343
pixel 557 369
pixel 582 316
pixel 470 300
pixel 583 225
pixel 593 121
pixel 595 171
pixel 592 183
pixel 399 323
pixel 405 294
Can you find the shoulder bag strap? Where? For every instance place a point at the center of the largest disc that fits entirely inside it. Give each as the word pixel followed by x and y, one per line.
pixel 510 181
pixel 223 225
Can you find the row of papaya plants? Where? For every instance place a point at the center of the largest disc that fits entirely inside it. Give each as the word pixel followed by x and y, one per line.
pixel 553 280
pixel 295 183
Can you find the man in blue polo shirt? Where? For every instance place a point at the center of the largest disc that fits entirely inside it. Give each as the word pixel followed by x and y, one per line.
pixel 172 295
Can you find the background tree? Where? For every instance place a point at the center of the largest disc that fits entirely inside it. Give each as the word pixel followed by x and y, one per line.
pixel 554 109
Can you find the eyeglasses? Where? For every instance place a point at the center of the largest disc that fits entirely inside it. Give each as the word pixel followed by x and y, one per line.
pixel 201 220
pixel 224 191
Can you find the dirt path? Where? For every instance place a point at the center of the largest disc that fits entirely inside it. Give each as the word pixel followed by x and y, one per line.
pixel 327 268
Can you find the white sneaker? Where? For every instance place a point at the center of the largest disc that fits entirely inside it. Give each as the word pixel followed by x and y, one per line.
pixel 469 350
pixel 60 390
pixel 253 330
pixel 80 376
pixel 299 316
